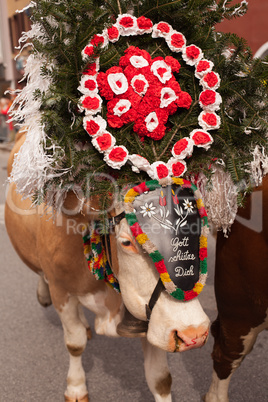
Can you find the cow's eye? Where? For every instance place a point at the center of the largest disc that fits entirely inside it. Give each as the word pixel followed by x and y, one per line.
pixel 126 243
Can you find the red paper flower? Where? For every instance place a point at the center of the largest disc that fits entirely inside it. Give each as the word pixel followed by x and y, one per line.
pixel 144 23
pixel 91 103
pixel 180 146
pixel 113 33
pixel 163 27
pixel 192 52
pixel 210 119
pixel 177 40
pixel 92 127
pixel 211 79
pixel 104 141
pixel 207 97
pixel 201 138
pixel 173 63
pixel 118 154
pixel 178 168
pixel 203 65
pixel 162 171
pixel 126 22
pixel 97 40
pixel 184 100
pixel 91 85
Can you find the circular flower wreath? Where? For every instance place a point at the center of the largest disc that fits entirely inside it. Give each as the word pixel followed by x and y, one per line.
pixel 149 247
pixel 144 91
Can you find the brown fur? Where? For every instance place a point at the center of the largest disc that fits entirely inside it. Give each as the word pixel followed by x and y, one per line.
pixel 163 386
pixel 241 282
pixel 38 242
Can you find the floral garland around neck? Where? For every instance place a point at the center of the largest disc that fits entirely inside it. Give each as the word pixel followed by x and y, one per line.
pixel 144 90
pixel 151 249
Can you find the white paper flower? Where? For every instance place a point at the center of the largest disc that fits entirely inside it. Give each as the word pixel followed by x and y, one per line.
pixel 167 97
pixel 148 209
pixel 203 67
pixel 128 24
pixel 151 121
pixel 138 61
pixel 210 100
pixel 210 80
pixel 176 41
pixel 162 30
pixel 88 85
pixel 118 83
pixel 161 70
pixel 139 163
pixel 192 55
pixel 94 125
pixel 103 142
pixel 122 106
pixel 140 84
pixel 183 148
pixel 116 157
pixel 177 167
pixel 92 104
pixel 209 120
pixel 201 138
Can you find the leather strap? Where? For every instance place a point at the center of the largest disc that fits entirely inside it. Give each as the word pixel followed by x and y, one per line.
pixel 155 296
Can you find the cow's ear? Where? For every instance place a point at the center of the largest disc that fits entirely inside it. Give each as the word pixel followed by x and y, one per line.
pixel 127 243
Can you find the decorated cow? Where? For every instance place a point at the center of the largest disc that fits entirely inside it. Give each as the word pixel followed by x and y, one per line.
pixel 154 293
pixel 142 125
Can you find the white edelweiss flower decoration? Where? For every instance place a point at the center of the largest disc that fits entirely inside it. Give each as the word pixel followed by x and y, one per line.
pixel 188 205
pixel 148 209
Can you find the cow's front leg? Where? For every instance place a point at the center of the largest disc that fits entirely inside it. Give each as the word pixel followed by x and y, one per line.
pixel 157 372
pixel 75 336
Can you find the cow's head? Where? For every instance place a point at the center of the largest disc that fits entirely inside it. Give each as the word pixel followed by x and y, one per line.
pixel 174 325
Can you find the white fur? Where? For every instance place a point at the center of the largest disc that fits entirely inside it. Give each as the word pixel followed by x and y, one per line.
pixel 138 278
pixel 156 368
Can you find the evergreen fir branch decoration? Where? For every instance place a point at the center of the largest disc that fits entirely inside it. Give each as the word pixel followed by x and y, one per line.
pixel 60 154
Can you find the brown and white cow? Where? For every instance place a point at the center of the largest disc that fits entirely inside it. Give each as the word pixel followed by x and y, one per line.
pixel 65 280
pixel 241 289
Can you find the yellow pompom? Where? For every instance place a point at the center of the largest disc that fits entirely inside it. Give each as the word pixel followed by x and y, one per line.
pixel 198 288
pixel 142 238
pixel 177 180
pixel 199 203
pixel 130 195
pixel 203 242
pixel 165 277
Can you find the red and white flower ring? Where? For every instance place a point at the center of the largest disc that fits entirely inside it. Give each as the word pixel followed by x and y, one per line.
pixel 121 86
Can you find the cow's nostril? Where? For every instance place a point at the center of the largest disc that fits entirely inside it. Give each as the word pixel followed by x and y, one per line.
pixel 178 341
